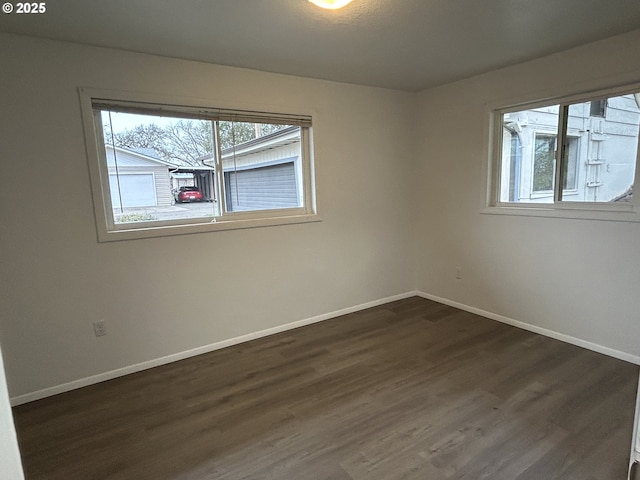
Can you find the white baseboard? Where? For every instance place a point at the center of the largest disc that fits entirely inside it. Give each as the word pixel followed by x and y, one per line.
pixel 83 382
pixel 627 357
pixel 101 377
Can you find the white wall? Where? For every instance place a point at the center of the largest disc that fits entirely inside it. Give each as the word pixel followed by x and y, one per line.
pixel 574 277
pixel 57 279
pixel 400 202
pixel 10 464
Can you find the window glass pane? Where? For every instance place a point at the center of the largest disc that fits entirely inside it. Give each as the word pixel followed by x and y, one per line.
pixel 528 150
pixel 262 167
pixel 570 165
pixel 605 138
pixel 544 151
pixel 157 169
pixel 597 108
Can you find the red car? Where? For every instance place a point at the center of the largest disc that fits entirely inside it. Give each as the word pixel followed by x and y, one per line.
pixel 188 194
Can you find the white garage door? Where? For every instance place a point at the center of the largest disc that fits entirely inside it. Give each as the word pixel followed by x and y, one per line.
pixel 135 190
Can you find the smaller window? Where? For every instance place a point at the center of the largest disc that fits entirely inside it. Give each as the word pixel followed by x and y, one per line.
pixel 544 154
pixel 162 169
pixel 598 108
pixel 576 154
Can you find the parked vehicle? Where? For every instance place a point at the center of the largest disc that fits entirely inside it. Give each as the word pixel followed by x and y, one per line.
pixel 188 194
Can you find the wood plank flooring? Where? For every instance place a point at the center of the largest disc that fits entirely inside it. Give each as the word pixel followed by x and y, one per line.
pixel 408 390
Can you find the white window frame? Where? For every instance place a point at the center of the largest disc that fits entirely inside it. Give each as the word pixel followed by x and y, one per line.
pixel 574 189
pixel 550 193
pixel 622 211
pixel 540 193
pixel 108 230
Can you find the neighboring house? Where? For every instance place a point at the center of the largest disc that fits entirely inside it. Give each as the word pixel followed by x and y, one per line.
pixel 263 173
pixel 601 151
pixel 138 179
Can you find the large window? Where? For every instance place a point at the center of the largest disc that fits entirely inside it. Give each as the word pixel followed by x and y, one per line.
pixel 168 168
pixel 575 154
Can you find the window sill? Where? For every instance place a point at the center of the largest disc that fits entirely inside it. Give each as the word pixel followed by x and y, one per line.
pixel 604 212
pixel 136 232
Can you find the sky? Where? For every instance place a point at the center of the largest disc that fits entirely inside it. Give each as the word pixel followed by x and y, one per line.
pixel 128 121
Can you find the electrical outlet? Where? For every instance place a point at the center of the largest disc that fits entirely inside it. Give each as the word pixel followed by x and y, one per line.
pixel 459 273
pixel 100 328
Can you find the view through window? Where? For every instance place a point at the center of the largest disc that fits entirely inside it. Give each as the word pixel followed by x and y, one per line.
pixel 166 168
pixel 595 141
pixel 163 168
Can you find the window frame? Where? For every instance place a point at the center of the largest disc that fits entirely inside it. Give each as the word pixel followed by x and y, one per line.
pixel 195 108
pixel 623 211
pixel 533 193
pixel 572 190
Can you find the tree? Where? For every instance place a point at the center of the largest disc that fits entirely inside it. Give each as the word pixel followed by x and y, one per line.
pixel 142 136
pixel 184 142
pixel 187 142
pixel 235 133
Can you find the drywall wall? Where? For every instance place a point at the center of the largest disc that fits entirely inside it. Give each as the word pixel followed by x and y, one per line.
pixel 400 197
pixel 167 295
pixel 575 277
pixel 10 463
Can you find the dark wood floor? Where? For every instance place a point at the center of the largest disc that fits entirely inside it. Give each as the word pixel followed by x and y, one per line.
pixel 409 390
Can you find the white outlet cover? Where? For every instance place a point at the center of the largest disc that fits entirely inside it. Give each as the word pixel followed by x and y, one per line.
pixel 99 328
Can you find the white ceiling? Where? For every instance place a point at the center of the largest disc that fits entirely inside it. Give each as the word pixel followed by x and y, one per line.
pixel 402 44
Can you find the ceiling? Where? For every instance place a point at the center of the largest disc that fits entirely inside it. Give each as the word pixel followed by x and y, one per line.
pixel 402 44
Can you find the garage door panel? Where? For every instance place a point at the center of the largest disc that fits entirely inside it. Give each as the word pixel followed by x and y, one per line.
pixel 135 190
pixel 262 188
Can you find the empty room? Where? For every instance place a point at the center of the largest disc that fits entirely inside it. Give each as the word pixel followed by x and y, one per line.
pixel 271 239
